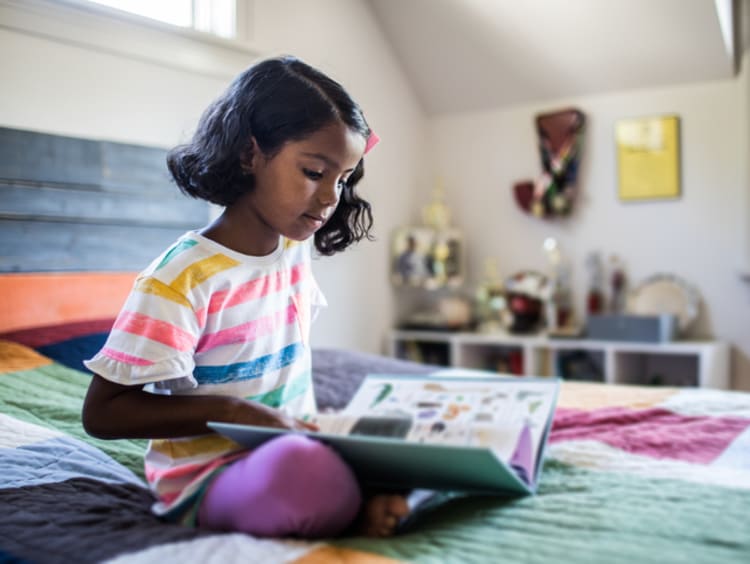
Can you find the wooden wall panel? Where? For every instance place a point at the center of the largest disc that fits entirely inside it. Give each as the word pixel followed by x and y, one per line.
pixel 38 157
pixel 54 246
pixel 45 203
pixel 79 204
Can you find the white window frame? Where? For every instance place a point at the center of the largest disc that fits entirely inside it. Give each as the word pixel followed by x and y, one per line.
pixel 108 30
pixel 241 14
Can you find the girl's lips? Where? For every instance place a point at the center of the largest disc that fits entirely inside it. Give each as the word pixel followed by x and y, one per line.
pixel 323 215
pixel 315 220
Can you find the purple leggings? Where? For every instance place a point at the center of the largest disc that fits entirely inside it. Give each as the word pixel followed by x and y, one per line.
pixel 289 486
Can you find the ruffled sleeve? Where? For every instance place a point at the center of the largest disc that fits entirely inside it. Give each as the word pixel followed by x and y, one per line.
pixel 152 340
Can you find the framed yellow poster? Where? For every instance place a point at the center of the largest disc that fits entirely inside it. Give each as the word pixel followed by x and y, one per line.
pixel 648 157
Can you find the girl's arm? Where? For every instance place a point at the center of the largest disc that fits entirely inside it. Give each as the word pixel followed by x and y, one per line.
pixel 114 411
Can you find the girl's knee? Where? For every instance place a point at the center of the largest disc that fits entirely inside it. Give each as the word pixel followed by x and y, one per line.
pixel 289 486
pixel 308 453
pixel 312 462
pixel 327 496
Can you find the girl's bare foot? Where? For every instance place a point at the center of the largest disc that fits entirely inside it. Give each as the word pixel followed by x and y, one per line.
pixel 381 514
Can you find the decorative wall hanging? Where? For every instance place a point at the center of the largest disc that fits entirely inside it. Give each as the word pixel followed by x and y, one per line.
pixel 560 141
pixel 648 158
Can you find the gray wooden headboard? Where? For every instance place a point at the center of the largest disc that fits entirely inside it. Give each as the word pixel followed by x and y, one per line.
pixel 79 204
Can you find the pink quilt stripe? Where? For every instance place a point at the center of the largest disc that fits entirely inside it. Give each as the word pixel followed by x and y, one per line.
pixel 655 432
pixel 256 288
pixel 247 331
pixel 154 329
pixel 126 358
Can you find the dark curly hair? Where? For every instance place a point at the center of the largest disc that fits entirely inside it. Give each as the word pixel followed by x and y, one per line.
pixel 274 101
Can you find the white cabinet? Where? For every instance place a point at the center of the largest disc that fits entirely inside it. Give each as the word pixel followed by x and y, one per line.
pixel 681 363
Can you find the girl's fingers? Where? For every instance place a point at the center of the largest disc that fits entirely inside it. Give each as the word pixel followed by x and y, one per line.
pixel 308 426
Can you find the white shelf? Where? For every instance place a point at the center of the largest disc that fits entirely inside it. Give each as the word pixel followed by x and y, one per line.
pixel 703 364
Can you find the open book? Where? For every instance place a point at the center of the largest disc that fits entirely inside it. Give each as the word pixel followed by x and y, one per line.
pixel 469 434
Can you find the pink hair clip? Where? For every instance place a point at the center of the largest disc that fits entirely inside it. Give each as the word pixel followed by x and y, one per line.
pixel 372 140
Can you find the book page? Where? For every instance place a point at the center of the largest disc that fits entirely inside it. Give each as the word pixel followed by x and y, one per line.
pixel 502 439
pixel 375 425
pixel 480 412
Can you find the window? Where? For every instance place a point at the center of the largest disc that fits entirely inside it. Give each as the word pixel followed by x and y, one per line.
pixel 209 37
pixel 217 17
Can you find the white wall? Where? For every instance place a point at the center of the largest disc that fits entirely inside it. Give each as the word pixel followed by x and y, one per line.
pixel 699 237
pixel 57 88
pixel 70 87
pixel 743 94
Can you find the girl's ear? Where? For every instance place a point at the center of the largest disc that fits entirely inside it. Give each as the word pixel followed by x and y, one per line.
pixel 248 156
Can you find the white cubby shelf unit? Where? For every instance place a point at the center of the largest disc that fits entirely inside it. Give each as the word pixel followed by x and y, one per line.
pixel 703 364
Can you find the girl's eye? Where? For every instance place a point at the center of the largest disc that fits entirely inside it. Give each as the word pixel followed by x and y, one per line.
pixel 312 174
pixel 342 183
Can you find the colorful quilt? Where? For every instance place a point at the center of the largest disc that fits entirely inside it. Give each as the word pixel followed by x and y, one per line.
pixel 632 474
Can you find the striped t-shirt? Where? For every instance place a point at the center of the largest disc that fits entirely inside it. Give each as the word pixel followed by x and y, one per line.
pixel 203 319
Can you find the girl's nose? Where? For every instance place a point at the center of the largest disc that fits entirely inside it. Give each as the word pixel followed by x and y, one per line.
pixel 328 194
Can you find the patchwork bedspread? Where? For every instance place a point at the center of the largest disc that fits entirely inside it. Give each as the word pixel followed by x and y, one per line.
pixel 632 474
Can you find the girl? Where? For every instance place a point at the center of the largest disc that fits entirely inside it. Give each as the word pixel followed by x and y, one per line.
pixel 216 328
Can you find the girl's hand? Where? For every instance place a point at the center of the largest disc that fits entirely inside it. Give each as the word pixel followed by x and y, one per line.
pixel 253 413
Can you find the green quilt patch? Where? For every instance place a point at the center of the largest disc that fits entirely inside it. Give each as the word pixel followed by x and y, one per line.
pixel 581 516
pixel 52 396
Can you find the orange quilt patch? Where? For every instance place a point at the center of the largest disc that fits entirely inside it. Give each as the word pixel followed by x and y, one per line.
pixel 15 357
pixel 332 554
pixel 588 396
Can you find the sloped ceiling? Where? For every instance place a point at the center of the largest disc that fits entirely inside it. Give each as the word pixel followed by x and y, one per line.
pixel 464 55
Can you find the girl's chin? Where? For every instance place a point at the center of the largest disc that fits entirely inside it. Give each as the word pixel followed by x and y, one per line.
pixel 300 234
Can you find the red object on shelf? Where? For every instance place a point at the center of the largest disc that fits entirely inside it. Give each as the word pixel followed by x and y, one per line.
pixel 594 302
pixel 515 362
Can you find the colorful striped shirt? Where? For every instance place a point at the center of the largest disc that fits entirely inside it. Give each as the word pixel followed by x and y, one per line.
pixel 203 319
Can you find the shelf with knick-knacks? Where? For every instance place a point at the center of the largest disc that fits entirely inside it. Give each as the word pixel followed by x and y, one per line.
pixel 676 363
pixel 524 326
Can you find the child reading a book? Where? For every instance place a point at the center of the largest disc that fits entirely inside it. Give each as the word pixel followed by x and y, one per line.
pixel 217 327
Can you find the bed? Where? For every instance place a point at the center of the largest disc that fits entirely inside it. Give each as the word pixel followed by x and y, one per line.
pixel 631 473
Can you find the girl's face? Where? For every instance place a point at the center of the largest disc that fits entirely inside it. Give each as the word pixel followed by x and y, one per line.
pixel 297 190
